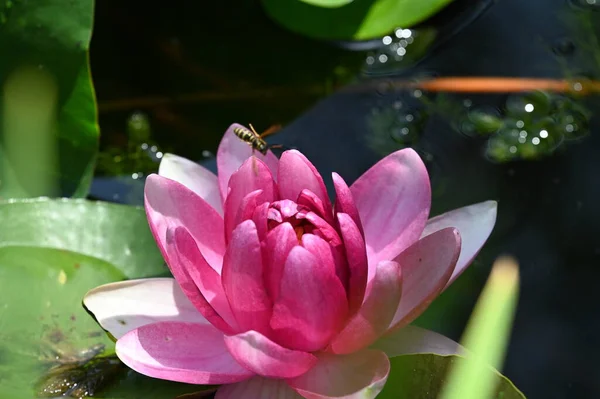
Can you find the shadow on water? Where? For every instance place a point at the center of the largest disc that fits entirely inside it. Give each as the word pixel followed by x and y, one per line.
pixel 195 71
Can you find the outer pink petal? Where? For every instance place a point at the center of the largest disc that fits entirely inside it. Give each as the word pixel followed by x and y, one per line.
pixel 184 352
pixel 232 153
pixel 426 267
pixel 195 177
pixel 170 204
pixel 126 305
pixel 356 255
pixel 360 375
pixel 376 313
pixel 474 223
pixel 275 250
pixel 393 199
pixel 412 340
pixel 312 303
pixel 344 202
pixel 266 358
pixel 295 174
pixel 194 274
pixel 243 279
pixel 253 175
pixel 257 388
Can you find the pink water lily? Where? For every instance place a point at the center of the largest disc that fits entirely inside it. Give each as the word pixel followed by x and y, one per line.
pixel 277 292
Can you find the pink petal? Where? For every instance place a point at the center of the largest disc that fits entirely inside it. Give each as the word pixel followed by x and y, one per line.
pixel 314 203
pixel 344 202
pixel 295 174
pixel 328 256
pixel 243 279
pixel 311 305
pixel 232 153
pixel 360 375
pixel 183 352
pixel 126 305
pixel 426 267
pixel 170 205
pixel 245 211
pixel 199 281
pixel 356 255
pixel 411 340
pixel 474 223
pixel 326 231
pixel 266 358
pixel 253 175
pixel 393 199
pixel 376 313
pixel 259 216
pixel 257 388
pixel 275 250
pixel 195 177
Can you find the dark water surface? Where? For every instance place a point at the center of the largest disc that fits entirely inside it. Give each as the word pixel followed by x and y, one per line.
pixel 231 64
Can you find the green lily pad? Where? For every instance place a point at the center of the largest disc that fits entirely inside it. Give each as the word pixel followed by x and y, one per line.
pixel 51 253
pixel 358 20
pixel 49 130
pixel 116 234
pixel 422 376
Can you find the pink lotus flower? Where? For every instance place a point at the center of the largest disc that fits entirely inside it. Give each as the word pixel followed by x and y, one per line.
pixel 279 294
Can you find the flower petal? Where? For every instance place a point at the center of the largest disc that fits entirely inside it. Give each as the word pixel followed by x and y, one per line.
pixel 199 281
pixel 275 250
pixel 231 155
pixel 126 305
pixel 266 358
pixel 356 255
pixel 412 340
pixel 314 203
pixel 329 256
pixel 295 174
pixel 184 352
pixel 253 175
pixel 243 279
pixel 170 204
pixel 259 216
pixel 474 223
pixel 360 375
pixel 344 202
pixel 257 388
pixel 194 176
pixel 376 313
pixel 426 267
pixel 393 200
pixel 311 305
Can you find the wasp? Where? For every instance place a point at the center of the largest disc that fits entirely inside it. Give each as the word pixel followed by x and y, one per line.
pixel 256 140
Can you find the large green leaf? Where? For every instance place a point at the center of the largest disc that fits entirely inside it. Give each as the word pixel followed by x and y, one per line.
pixel 117 234
pixel 51 253
pixel 360 19
pixel 49 124
pixel 422 376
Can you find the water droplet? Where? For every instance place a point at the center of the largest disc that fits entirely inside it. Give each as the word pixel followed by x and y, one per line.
pixel 485 119
pixel 138 127
pixel 535 103
pixel 592 5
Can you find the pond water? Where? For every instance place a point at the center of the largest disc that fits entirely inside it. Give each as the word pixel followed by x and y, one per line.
pixel 172 79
